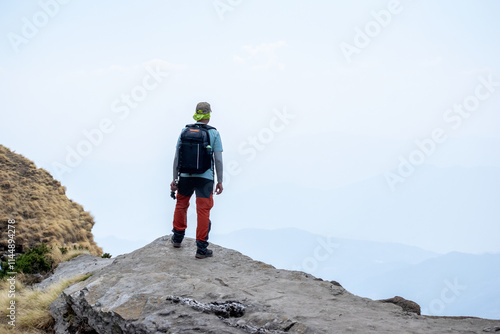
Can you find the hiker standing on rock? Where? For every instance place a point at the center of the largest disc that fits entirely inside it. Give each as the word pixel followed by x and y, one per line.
pixel 199 149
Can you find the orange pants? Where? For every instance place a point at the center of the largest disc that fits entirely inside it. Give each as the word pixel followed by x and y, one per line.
pixel 204 203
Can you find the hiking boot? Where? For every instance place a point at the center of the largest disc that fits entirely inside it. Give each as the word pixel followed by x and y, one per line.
pixel 204 254
pixel 177 238
pixel 175 244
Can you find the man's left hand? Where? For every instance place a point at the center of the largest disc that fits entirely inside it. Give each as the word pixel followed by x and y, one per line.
pixel 219 189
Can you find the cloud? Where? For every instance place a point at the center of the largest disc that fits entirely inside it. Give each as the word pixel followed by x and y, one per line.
pixel 163 65
pixel 432 62
pixel 108 70
pixel 475 71
pixel 158 64
pixel 360 67
pixel 261 57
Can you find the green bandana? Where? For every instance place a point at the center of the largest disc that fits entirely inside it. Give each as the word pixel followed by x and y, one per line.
pixel 200 115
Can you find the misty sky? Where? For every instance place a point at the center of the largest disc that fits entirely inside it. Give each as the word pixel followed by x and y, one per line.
pixel 371 120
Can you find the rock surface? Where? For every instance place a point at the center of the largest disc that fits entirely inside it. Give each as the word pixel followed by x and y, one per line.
pixel 159 289
pixel 81 265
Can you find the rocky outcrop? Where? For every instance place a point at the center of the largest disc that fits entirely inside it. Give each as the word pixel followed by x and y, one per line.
pixel 159 289
pixel 406 305
pixel 40 208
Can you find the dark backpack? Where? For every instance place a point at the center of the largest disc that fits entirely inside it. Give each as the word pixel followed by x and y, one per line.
pixel 195 152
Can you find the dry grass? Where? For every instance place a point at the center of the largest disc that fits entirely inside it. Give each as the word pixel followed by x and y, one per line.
pixel 57 256
pixel 32 306
pixel 38 203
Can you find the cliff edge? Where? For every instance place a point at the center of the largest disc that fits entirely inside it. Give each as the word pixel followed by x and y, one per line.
pixel 159 289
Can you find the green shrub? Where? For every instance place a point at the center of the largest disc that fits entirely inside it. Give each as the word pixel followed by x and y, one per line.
pixel 63 250
pixel 35 260
pixel 106 256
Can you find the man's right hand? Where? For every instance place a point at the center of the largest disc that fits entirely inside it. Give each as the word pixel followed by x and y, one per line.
pixel 173 186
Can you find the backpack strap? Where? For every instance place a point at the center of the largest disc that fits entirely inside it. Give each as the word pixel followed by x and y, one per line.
pixel 205 126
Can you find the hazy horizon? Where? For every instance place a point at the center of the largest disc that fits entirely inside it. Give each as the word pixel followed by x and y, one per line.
pixel 374 120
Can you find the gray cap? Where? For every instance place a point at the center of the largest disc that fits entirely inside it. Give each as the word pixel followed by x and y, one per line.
pixel 204 107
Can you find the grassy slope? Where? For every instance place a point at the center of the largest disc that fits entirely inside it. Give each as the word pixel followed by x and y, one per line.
pixel 38 203
pixel 32 306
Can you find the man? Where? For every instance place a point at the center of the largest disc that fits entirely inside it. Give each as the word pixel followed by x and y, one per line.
pixel 202 185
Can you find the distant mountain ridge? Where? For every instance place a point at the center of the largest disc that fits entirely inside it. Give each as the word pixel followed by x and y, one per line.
pixel 382 270
pixel 451 284
pixel 435 208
